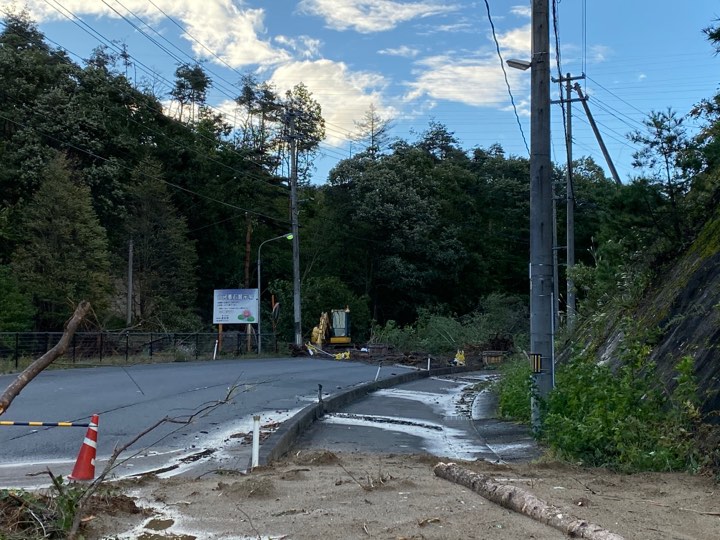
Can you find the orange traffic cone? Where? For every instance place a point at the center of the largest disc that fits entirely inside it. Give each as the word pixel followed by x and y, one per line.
pixel 85 464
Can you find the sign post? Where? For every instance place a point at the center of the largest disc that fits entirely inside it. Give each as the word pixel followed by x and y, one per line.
pixel 235 306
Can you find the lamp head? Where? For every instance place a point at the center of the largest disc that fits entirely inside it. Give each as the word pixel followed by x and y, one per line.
pixel 518 64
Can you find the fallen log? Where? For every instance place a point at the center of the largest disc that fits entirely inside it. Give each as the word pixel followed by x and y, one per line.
pixel 523 502
pixel 30 372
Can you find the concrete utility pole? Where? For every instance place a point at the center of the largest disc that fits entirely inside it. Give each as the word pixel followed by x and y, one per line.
pixel 570 210
pixel 130 284
pixel 599 138
pixel 569 196
pixel 295 229
pixel 541 202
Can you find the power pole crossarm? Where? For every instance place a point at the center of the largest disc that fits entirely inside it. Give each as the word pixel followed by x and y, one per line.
pixel 599 138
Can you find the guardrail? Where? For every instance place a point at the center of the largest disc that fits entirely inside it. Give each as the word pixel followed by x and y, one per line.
pixel 125 347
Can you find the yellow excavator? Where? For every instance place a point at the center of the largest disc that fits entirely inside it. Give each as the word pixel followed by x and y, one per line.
pixel 332 332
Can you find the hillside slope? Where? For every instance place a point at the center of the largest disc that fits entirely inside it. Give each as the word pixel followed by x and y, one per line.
pixel 679 315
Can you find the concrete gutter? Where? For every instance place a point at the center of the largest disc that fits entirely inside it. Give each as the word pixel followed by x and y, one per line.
pixel 282 440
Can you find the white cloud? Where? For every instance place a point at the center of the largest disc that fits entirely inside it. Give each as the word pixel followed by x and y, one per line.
pixel 516 42
pixel 642 77
pixel 457 27
pixel 303 46
pixel 344 95
pixel 599 53
pixel 367 16
pixel 521 11
pixel 225 27
pixel 403 51
pixel 477 82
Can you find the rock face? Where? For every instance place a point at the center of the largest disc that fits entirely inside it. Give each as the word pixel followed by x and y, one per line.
pixel 679 316
pixel 692 327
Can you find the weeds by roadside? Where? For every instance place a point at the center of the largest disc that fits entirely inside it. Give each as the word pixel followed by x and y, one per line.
pixel 623 418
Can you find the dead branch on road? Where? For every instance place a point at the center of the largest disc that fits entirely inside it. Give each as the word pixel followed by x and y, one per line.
pixel 111 464
pixel 523 502
pixel 46 359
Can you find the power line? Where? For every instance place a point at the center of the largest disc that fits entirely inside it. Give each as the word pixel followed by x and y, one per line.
pixel 171 184
pixel 202 136
pixel 505 76
pixel 103 39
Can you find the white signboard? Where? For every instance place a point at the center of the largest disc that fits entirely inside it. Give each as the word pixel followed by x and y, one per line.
pixel 235 306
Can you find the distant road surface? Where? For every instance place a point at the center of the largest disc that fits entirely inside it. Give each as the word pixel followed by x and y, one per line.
pixel 131 399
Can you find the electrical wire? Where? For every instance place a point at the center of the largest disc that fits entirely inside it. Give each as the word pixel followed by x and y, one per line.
pixel 130 169
pixel 556 32
pixel 245 173
pixel 103 39
pixel 505 76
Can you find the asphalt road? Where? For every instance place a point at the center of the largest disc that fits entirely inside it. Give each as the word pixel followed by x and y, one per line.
pixel 129 400
pixel 452 417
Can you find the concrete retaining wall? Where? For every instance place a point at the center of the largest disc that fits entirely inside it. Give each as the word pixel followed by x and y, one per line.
pixel 281 441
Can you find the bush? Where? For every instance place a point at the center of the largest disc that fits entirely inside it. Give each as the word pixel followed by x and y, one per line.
pixel 439 333
pixel 622 420
pixel 514 389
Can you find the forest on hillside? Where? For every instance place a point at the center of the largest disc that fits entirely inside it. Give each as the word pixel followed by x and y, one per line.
pixel 91 160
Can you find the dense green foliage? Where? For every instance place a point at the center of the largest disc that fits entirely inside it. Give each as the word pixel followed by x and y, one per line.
pixel 92 161
pixel 623 419
pixel 514 389
pixel 496 316
pixel 613 405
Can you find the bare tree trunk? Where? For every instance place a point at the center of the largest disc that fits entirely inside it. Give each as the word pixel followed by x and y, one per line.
pixel 46 359
pixel 524 502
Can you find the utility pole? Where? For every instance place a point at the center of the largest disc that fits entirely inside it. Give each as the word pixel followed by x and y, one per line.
pixel 248 243
pixel 569 196
pixel 295 229
pixel 130 283
pixel 541 202
pixel 599 138
pixel 570 212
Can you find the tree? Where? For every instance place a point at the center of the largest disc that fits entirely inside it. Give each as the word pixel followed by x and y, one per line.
pixel 308 126
pixel 29 68
pixel 664 144
pixel 191 85
pixel 165 260
pixel 16 309
pixel 63 258
pixel 372 132
pixel 262 110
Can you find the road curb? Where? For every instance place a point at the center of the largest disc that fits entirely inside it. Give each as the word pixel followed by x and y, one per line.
pixel 280 442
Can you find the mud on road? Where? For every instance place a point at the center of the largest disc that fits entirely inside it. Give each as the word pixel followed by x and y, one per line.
pixel 316 494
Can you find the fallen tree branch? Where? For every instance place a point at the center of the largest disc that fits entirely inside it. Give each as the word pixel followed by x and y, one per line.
pixel 111 464
pixel 523 502
pixel 46 359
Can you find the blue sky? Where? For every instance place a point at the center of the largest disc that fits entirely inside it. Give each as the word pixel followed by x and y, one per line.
pixel 419 60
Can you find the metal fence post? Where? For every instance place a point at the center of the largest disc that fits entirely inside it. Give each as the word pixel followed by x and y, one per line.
pixel 101 346
pixel 151 344
pixel 127 345
pixel 17 349
pixel 74 346
pixel 197 344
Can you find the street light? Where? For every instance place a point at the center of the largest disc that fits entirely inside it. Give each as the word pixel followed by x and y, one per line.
pixel 518 64
pixel 541 204
pixel 288 236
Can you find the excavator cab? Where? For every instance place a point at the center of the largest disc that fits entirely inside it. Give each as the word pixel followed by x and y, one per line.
pixel 340 328
pixel 333 329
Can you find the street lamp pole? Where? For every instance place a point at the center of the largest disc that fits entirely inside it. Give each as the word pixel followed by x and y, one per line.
pixel 541 216
pixel 542 220
pixel 289 236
